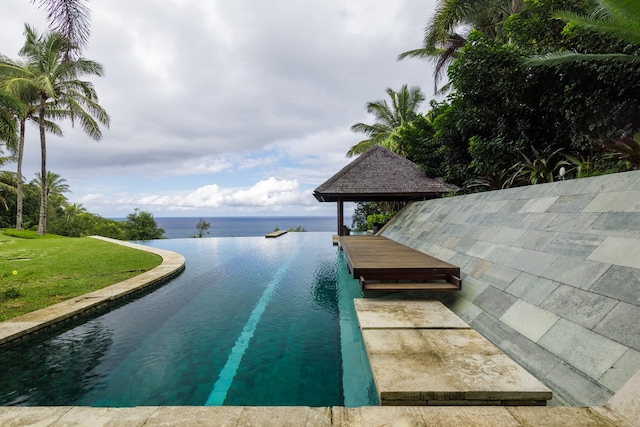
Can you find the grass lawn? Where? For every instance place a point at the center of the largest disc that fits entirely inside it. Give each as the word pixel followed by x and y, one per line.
pixel 38 272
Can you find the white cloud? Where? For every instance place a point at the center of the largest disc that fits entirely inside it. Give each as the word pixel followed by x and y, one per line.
pixel 226 92
pixel 269 193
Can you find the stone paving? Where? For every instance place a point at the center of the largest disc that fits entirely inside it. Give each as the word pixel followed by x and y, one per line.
pixel 405 314
pixel 421 353
pixel 282 416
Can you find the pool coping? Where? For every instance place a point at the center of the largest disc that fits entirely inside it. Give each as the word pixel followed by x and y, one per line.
pixel 311 416
pixel 21 326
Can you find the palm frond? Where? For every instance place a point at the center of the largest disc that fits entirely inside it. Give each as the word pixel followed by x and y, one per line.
pixel 421 53
pixel 629 9
pixel 616 26
pixel 70 18
pixel 361 147
pixel 563 57
pixel 619 19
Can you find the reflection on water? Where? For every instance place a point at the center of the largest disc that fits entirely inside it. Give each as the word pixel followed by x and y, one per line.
pixel 169 346
pixel 325 287
pixel 66 361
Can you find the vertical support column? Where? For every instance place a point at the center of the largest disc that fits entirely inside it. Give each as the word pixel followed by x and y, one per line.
pixel 340 217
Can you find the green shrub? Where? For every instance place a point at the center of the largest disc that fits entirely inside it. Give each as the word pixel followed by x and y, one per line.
pixel 378 219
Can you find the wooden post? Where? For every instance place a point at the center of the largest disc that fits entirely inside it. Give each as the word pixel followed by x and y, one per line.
pixel 340 217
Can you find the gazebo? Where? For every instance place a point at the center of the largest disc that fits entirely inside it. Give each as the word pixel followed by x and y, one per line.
pixel 379 175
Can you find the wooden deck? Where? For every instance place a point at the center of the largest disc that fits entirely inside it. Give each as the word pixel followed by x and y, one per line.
pixel 384 265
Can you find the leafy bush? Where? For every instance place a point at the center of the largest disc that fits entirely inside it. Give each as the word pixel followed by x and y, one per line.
pixel 140 225
pixel 378 219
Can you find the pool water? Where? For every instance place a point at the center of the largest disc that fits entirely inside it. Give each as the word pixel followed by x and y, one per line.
pixel 251 321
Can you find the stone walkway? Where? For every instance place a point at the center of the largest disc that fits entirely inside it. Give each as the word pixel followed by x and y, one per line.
pixel 420 354
pixel 280 416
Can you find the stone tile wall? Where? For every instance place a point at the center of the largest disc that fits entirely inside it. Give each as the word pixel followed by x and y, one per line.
pixel 551 274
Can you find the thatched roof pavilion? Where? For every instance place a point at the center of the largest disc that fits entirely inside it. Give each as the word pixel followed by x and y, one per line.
pixel 379 175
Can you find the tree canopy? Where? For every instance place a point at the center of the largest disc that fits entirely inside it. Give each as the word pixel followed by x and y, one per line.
pixel 508 122
pixel 49 84
pixel 388 117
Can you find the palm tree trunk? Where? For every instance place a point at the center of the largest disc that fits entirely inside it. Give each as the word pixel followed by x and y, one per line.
pixel 19 202
pixel 42 222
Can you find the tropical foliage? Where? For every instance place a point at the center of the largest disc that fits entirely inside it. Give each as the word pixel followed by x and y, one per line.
pixel 67 218
pixel 617 19
pixel 69 18
pixel 141 225
pixel 389 117
pixel 507 121
pixel 447 31
pixel 49 85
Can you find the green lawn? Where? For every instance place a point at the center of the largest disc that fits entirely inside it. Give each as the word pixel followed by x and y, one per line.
pixel 38 272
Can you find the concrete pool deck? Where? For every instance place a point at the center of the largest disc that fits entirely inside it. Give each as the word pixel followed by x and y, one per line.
pixel 622 410
pixel 279 416
pixel 421 353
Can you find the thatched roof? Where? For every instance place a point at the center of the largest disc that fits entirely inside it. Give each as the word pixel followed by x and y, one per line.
pixel 381 175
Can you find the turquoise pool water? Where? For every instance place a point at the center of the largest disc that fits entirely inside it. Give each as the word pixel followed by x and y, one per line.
pixel 251 321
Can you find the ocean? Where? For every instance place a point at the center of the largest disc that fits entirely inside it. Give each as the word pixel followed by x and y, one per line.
pixel 185 227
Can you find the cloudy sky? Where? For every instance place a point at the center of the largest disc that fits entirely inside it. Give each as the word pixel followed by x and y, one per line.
pixel 226 107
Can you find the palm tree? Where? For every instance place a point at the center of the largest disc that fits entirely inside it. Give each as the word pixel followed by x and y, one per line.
pixel 55 184
pixel 7 183
pixel 619 19
pixel 446 33
pixel 61 94
pixel 12 110
pixel 69 18
pixel 10 107
pixel 23 108
pixel 389 118
pixel 73 210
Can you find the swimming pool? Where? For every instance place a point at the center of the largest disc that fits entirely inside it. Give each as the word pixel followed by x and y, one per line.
pixel 251 321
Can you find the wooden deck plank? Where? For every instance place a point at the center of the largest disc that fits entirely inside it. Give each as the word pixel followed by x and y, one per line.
pixel 376 258
pixel 395 286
